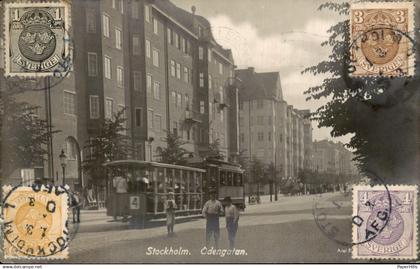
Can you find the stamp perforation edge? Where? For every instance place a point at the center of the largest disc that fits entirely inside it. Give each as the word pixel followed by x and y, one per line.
pixel 401 187
pixel 66 4
pixel 411 6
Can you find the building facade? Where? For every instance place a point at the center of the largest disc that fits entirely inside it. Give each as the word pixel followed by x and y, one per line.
pixel 158 63
pixel 270 129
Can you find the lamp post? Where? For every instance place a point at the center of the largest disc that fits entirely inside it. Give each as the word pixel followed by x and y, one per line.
pixel 63 162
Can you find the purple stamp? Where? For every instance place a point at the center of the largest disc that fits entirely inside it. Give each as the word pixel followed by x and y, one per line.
pixel 386 221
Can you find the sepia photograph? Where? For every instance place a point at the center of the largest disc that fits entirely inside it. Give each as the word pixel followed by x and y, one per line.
pixel 138 132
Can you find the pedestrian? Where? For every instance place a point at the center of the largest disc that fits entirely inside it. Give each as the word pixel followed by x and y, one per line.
pixel 76 205
pixel 232 219
pixel 170 206
pixel 211 211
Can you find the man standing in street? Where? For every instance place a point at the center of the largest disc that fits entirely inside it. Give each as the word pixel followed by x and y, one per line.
pixel 232 218
pixel 211 211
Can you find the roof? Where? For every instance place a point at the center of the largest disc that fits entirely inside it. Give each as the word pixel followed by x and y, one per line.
pixel 139 164
pixel 259 85
pixel 186 19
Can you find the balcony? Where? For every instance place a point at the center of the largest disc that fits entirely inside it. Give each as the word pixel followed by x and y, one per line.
pixel 192 117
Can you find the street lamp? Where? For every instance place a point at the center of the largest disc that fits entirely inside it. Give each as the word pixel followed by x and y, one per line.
pixel 63 162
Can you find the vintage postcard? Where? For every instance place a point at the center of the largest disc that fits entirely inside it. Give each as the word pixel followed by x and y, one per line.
pixel 209 132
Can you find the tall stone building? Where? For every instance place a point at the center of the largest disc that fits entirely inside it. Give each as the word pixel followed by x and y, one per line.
pixel 158 62
pixel 270 129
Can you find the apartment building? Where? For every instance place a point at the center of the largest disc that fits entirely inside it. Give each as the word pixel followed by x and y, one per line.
pixel 156 61
pixel 269 128
pixel 333 158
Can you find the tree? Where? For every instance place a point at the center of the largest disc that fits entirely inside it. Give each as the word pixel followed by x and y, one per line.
pixel 214 151
pixel 174 153
pixel 257 173
pixel 272 174
pixel 381 113
pixel 110 143
pixel 27 135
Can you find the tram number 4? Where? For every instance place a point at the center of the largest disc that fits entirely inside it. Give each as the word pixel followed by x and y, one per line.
pixel 134 202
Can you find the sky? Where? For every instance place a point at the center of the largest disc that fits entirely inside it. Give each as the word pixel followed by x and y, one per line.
pixel 274 35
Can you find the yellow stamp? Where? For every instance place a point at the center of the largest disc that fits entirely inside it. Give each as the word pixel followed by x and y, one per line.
pixel 35 222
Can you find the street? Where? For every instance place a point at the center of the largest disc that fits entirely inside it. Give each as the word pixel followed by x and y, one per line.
pixel 281 231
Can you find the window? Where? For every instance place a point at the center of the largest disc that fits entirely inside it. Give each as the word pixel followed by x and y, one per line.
pixel 147 13
pixel 158 122
pixel 241 121
pixel 136 44
pixel 200 53
pixel 241 105
pixel 186 74
pixel 139 151
pixel 122 6
pixel 147 48
pixel 185 46
pixel 220 68
pixel 118 39
pixel 178 71
pixel 105 25
pixel 221 95
pixel 209 55
pixel 210 82
pixel 149 83
pixel 241 137
pixel 90 21
pixel 179 100
pixel 109 108
pixel 174 97
pixel 270 120
pixel 135 9
pixel 173 68
pixel 176 37
pixel 156 90
pixel 182 43
pixel 107 67
pixel 155 26
pixel 71 149
pixel 136 80
pixel 222 115
pixel 120 76
pixel 269 136
pixel 260 103
pixel 210 108
pixel 92 64
pixel 156 57
pixel 175 128
pixel 260 136
pixel 202 108
pixel 169 34
pixel 94 106
pixel 150 118
pixel 187 101
pixel 69 102
pixel 113 4
pixel 138 116
pixel 201 79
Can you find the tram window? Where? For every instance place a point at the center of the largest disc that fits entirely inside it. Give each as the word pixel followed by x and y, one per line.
pixel 161 180
pixel 223 180
pixel 230 179
pixel 169 180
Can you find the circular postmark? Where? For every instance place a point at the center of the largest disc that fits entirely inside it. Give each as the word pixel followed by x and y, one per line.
pixel 330 213
pixel 377 51
pixel 35 221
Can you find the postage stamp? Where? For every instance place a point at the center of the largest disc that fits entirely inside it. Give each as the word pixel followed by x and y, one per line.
pixel 35 37
pixel 389 230
pixel 35 222
pixel 380 33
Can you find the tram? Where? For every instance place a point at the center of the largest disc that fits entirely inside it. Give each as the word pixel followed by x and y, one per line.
pixel 140 188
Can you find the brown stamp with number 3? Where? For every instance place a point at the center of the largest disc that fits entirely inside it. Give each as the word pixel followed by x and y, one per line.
pixel 381 36
pixel 35 222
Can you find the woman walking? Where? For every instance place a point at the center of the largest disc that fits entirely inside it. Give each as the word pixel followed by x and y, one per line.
pixel 170 213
